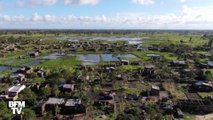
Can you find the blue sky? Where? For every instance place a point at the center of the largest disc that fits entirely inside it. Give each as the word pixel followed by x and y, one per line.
pixel 106 14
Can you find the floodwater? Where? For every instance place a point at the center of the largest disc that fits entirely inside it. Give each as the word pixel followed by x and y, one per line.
pixel 94 59
pixel 7 68
pixel 153 55
pixel 10 61
pixel 32 63
pixel 130 40
pixel 112 57
pixel 53 56
pixel 89 59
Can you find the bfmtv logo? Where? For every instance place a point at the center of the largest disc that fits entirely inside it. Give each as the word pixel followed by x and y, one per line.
pixel 16 106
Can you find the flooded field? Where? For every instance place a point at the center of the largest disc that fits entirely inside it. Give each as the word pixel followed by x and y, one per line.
pixel 7 68
pixel 130 40
pixel 93 59
pixel 10 61
pixel 89 59
pixel 111 57
pixel 33 63
pixel 53 56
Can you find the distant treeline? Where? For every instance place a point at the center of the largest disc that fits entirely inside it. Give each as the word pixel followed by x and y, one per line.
pixel 93 31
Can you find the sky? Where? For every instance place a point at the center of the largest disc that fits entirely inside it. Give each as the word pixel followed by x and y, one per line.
pixel 106 14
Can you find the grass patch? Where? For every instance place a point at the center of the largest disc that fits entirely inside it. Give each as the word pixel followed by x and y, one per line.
pixel 3 86
pixel 130 67
pixel 36 80
pixel 143 55
pixel 205 94
pixel 174 91
pixel 189 117
pixel 5 73
pixel 65 62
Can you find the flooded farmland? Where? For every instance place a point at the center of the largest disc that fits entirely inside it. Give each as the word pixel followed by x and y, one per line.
pixel 130 40
pixel 8 68
pixel 93 59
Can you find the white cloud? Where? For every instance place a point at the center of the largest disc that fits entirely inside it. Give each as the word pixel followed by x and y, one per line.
pixel 143 2
pixel 50 18
pixel 36 18
pixel 187 18
pixel 34 3
pixel 182 1
pixel 45 18
pixel 81 2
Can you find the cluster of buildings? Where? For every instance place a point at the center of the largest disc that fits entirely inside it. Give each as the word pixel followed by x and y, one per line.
pixel 19 78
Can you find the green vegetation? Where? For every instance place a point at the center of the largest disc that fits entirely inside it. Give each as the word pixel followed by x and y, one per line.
pixel 65 62
pixel 205 94
pixel 189 117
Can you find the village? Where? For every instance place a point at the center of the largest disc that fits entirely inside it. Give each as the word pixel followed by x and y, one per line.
pixel 160 76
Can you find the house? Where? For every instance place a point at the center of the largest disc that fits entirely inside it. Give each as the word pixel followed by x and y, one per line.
pixel 163 95
pixel 135 63
pixel 106 99
pixel 57 47
pixel 66 87
pixel 33 54
pixel 91 49
pixel 131 97
pixel 186 72
pixel 73 49
pixel 201 106
pixel 105 96
pixel 153 48
pixel 149 71
pixel 39 108
pixel 80 67
pixel 41 73
pixel 165 49
pixel 73 106
pixel 110 49
pixel 210 64
pixel 139 49
pixel 72 102
pixel 206 55
pixel 179 113
pixel 68 107
pixel 119 77
pixel 51 103
pixel 25 70
pixel 13 91
pixel 188 55
pixel 55 101
pixel 18 76
pixel 3 96
pixel 124 62
pixel 28 70
pixel 192 96
pixel 154 56
pixel 167 107
pixel 206 48
pixel 155 90
pixel 202 86
pixel 201 65
pixel 11 47
pixel 109 69
pixel 178 63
